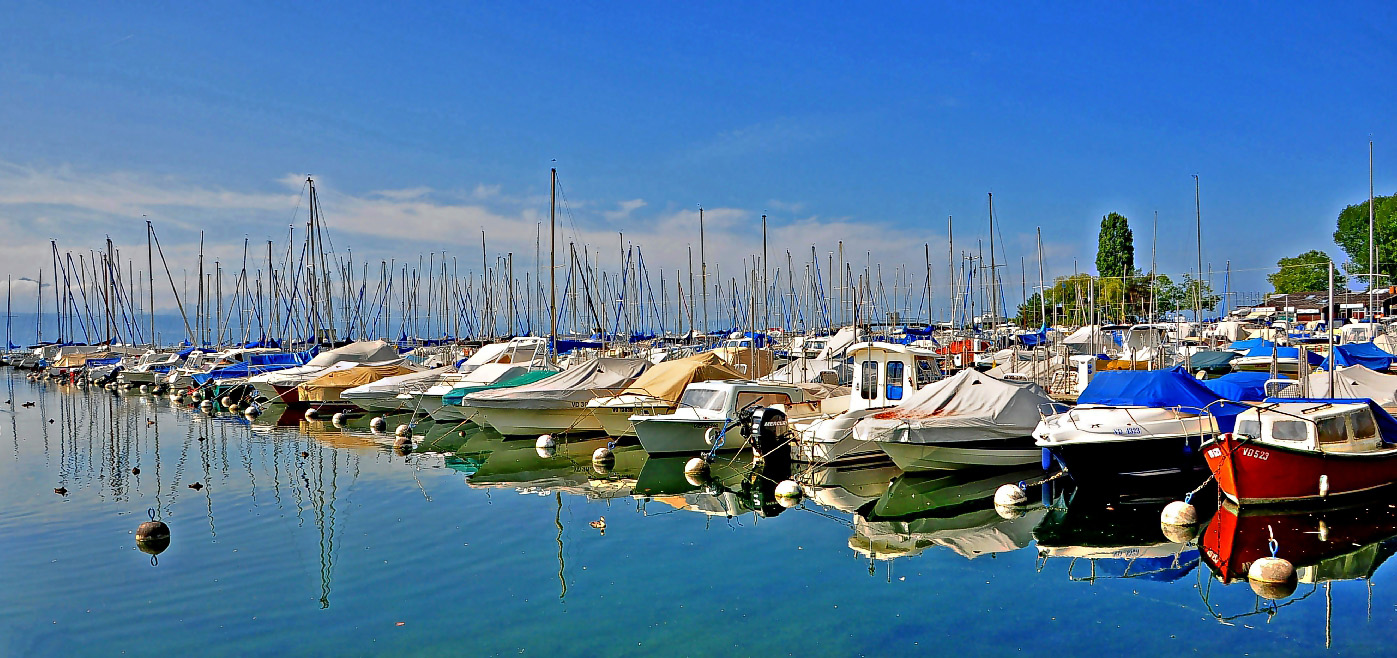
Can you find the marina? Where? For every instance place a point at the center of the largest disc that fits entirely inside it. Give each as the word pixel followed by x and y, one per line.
pixel 698 330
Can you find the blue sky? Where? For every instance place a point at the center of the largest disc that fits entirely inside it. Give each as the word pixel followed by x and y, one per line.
pixel 426 124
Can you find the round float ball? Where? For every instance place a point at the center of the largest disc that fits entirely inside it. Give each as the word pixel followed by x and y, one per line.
pixel 403 430
pixel 602 467
pixel 153 537
pixel 312 414
pixel 251 412
pixel 1010 495
pixel 546 452
pixel 1009 511
pixel 378 423
pixel 206 405
pixel 1179 534
pixel 788 493
pixel 145 389
pixel 338 419
pixel 545 441
pixel 402 445
pixel 226 400
pixel 1272 578
pixel 1179 513
pixel 696 466
pixel 233 408
pixel 603 454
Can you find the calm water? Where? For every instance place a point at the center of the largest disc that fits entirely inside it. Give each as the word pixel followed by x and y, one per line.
pixel 349 549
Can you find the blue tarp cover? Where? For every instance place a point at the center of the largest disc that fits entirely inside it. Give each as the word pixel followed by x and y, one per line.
pixel 1171 387
pixel 103 362
pixel 1251 343
pixel 1367 355
pixel 1284 353
pixel 1241 386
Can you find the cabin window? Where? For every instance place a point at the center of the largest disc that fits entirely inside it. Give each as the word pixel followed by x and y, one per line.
pixel 704 398
pixel 893 380
pixel 762 399
pixel 1332 430
pixel 1288 430
pixel 868 383
pixel 1363 425
pixel 926 371
pixel 1251 428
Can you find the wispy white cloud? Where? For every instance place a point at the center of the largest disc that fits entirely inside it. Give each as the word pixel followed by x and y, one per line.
pixel 78 208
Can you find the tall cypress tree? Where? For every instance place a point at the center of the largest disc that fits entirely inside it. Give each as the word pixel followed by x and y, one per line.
pixel 1115 247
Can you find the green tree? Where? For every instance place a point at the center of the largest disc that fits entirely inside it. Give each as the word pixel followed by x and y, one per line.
pixel 1352 235
pixel 1307 272
pixel 1183 295
pixel 1115 247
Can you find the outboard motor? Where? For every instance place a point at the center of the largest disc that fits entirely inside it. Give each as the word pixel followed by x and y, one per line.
pixel 768 431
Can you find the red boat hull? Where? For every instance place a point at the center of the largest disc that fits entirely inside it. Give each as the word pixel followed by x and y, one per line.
pixel 1233 540
pixel 1251 473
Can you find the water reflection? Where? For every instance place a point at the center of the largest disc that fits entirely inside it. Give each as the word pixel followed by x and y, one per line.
pixel 953 510
pixel 1101 539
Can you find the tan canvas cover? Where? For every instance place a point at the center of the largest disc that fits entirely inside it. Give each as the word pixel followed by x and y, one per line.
pixel 752 363
pixel 668 380
pixel 78 359
pixel 327 387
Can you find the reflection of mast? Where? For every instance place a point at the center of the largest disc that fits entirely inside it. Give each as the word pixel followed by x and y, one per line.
pixel 558 521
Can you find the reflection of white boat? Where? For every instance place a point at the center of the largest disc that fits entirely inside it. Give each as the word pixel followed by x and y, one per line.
pixel 953 509
pixel 969 535
pixel 968 420
pixel 848 488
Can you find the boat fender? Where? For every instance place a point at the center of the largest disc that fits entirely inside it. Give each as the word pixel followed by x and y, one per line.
pixel 602 455
pixel 545 441
pixel 696 466
pixel 1323 486
pixel 378 423
pixel 251 412
pixel 788 493
pixel 226 400
pixel 312 414
pixel 1179 513
pixel 402 430
pixel 339 418
pixel 1010 495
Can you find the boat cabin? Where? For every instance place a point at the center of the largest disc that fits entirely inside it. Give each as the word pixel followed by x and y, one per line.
pixel 1313 425
pixel 885 374
pixel 727 398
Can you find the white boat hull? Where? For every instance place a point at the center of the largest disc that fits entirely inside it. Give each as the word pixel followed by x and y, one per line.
pixel 913 457
pixel 533 422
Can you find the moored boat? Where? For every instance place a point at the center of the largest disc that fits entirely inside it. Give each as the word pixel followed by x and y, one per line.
pixel 1304 450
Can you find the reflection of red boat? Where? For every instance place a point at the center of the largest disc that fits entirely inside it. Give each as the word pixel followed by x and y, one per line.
pixel 1329 544
pixel 1305 450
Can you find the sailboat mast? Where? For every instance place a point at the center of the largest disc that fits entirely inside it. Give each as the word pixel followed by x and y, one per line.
pixel 703 272
pixel 552 256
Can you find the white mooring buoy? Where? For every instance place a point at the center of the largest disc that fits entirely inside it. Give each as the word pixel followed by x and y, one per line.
pixel 403 430
pixel 339 418
pixel 545 441
pixel 788 493
pixel 312 414
pixel 1272 577
pixel 378 424
pixel 1010 495
pixel 1179 513
pixel 603 454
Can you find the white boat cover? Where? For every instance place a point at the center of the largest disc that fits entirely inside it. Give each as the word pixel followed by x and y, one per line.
pixel 368 351
pixel 579 383
pixel 969 406
pixel 1352 382
pixel 1082 339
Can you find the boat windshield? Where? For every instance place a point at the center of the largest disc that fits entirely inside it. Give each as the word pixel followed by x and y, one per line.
pixel 710 399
